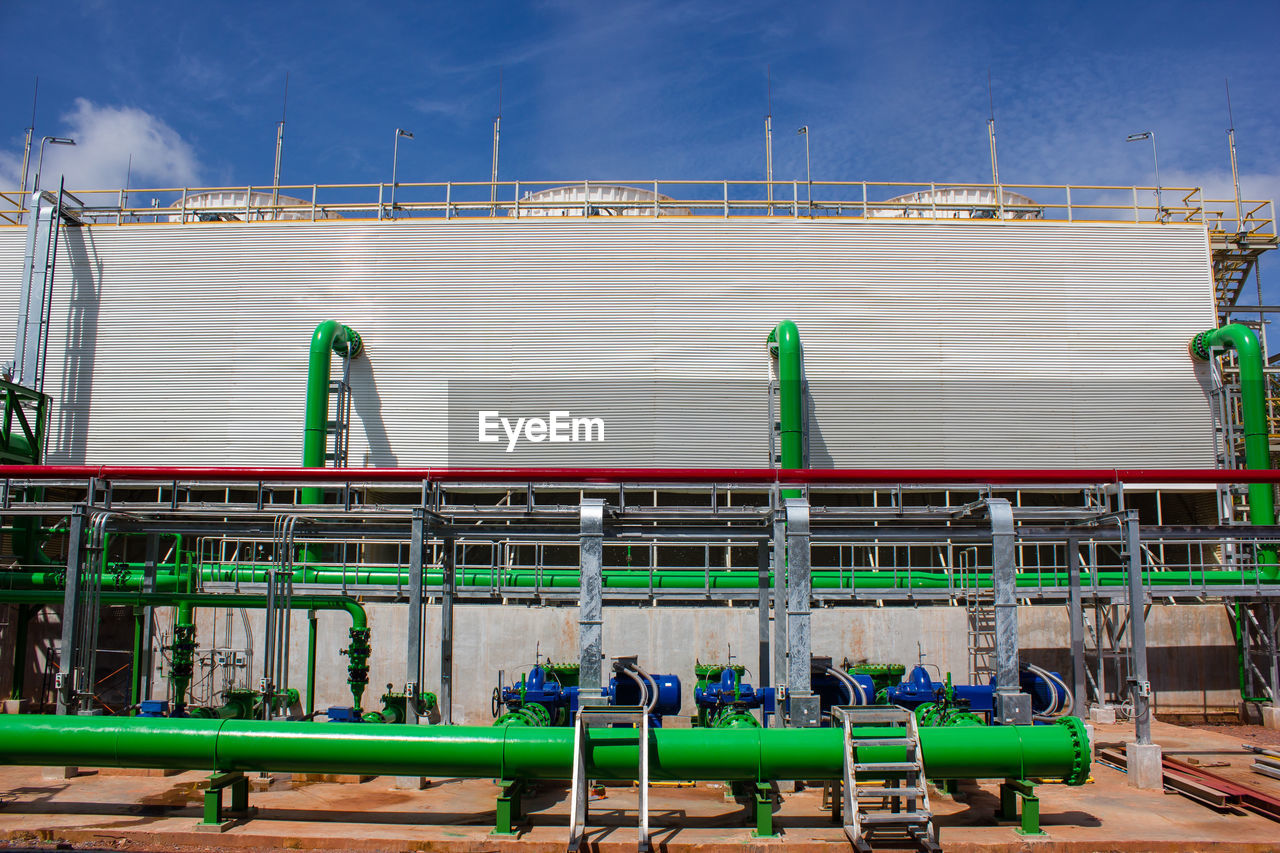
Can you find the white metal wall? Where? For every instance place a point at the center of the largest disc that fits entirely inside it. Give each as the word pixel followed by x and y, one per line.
pixel 926 344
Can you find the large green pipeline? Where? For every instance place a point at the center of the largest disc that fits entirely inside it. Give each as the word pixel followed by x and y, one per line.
pixel 132 580
pixel 198 599
pixel 1253 402
pixel 784 342
pixel 1058 751
pixel 330 337
pixel 719 578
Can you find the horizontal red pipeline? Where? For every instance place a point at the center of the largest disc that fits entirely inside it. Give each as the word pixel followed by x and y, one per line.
pixel 747 476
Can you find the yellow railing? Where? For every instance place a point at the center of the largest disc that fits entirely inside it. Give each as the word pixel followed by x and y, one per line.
pixel 723 199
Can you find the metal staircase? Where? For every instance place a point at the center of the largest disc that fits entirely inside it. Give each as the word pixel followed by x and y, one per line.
pixel 636 720
pixel 895 805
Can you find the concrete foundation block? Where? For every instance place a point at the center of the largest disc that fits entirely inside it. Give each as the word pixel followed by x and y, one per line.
pixel 1144 766
pixel 410 783
pixel 1102 715
pixel 1093 741
pixel 60 772
pixel 17 706
pixel 1271 716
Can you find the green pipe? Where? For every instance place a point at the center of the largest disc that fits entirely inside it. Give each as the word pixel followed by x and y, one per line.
pixel 1253 402
pixel 311 662
pixel 1238 631
pixel 359 618
pixel 1059 751
pixel 182 654
pixel 330 337
pixel 135 682
pixel 728 578
pixel 784 344
pixel 358 651
pixel 18 687
pixel 636 579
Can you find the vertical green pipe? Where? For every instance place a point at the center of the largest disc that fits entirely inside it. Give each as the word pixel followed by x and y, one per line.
pixel 784 344
pixel 329 337
pixel 135 685
pixel 18 686
pixel 311 662
pixel 182 659
pixel 1253 402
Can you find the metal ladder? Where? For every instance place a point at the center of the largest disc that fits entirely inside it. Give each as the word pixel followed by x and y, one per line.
pixel 597 716
pixel 339 426
pixel 980 613
pixel 899 804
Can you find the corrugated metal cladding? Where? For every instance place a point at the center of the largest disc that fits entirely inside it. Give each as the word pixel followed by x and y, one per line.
pixel 926 344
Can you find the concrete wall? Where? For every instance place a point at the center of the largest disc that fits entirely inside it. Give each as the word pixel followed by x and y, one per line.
pixel 1192 656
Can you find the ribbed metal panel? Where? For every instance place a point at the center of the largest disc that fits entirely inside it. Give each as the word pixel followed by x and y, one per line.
pixel 926 344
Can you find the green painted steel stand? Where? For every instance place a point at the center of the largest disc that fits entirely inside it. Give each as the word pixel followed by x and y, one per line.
pixel 217 820
pixel 1012 790
pixel 763 799
pixel 508 810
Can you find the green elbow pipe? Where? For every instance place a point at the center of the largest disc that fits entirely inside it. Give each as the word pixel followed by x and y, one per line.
pixel 1059 751
pixel 330 337
pixel 784 344
pixel 1253 402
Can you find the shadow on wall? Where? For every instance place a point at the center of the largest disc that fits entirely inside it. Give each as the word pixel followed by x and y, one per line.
pixel 1206 677
pixel 76 388
pixel 368 408
pixel 816 453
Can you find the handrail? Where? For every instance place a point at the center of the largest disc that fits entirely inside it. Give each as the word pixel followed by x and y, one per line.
pixel 686 198
pixel 754 476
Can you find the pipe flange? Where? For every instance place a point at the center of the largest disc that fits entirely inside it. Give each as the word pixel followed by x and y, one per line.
pixel 1199 346
pixel 353 345
pixel 1080 740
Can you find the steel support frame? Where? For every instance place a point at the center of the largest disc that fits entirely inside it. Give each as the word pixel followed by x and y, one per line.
pixel 1139 682
pixel 803 704
pixel 591 601
pixel 64 682
pixel 1012 706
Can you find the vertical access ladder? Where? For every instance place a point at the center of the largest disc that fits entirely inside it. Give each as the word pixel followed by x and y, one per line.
pixel 980 613
pixel 636 725
pixel 896 803
pixel 39 261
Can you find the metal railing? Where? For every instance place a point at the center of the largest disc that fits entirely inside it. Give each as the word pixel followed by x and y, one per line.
pixel 658 198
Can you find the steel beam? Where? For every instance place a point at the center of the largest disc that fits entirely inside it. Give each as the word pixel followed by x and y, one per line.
pixel 65 681
pixel 1139 684
pixel 413 654
pixel 591 598
pixel 1012 706
pixel 804 705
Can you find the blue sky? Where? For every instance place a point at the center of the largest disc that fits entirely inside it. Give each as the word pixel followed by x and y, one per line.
pixel 634 90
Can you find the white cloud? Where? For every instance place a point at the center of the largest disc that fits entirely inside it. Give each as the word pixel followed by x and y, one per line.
pixel 105 138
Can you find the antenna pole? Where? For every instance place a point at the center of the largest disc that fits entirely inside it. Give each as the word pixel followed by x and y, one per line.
pixel 497 133
pixel 768 141
pixel 128 177
pixel 26 152
pixel 991 136
pixel 1235 171
pixel 275 181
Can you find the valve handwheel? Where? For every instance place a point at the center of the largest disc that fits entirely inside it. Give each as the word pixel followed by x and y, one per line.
pixel 496 704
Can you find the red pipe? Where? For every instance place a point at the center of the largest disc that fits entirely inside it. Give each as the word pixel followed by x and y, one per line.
pixel 752 476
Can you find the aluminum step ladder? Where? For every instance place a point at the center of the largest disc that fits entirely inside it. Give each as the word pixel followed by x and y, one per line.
pixel 598 716
pixel 896 803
